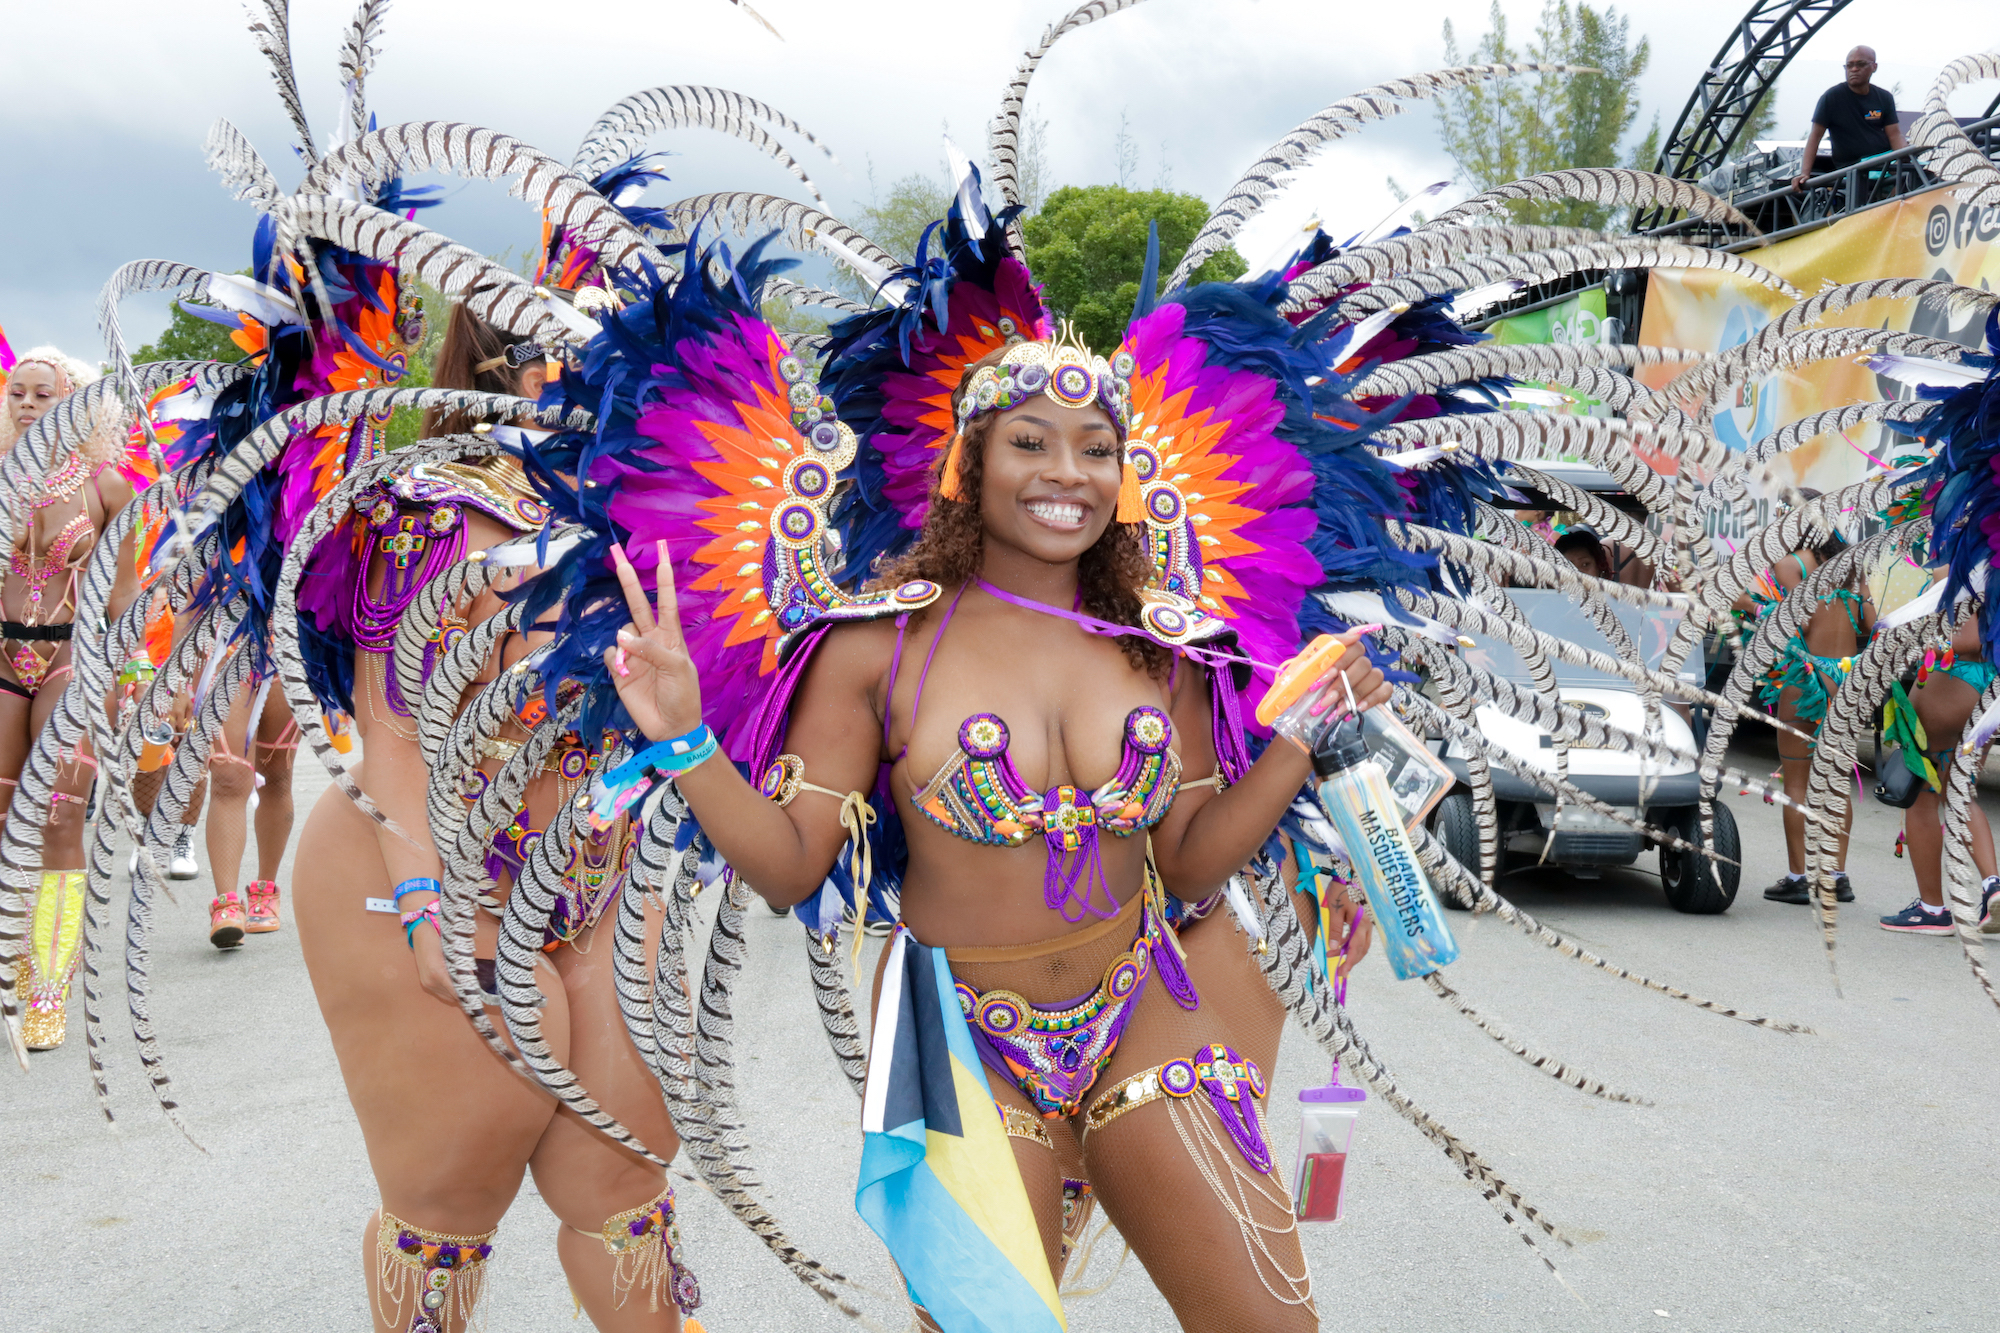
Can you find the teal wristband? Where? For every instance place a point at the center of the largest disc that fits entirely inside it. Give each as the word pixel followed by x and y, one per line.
pixel 411 920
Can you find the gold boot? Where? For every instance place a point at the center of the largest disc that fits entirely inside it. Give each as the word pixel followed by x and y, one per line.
pixel 53 942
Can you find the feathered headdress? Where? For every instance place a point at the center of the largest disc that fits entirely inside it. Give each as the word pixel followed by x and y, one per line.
pixel 1960 486
pixel 891 372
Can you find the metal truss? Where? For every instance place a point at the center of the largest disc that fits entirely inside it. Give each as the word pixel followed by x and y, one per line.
pixel 1764 42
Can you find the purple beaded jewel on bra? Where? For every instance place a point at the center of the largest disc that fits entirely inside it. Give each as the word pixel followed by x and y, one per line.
pixel 981 796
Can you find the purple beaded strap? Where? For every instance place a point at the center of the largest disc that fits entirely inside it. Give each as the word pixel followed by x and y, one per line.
pixel 417 549
pixel 1232 1084
pixel 1167 961
pixel 1069 825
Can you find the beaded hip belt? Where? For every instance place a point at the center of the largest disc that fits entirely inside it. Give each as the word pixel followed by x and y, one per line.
pixel 1055 1055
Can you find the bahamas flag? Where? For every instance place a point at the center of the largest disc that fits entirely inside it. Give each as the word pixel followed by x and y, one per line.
pixel 938 1181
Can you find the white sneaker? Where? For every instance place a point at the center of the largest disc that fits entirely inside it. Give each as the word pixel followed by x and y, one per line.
pixel 181 865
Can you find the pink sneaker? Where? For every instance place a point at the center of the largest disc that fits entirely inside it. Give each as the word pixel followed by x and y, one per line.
pixel 263 919
pixel 225 920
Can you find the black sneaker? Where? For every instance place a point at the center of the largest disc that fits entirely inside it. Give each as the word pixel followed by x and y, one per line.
pixel 875 925
pixel 1989 914
pixel 1789 889
pixel 1843 892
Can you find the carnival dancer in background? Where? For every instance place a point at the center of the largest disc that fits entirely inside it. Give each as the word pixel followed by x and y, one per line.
pixel 251 764
pixel 68 512
pixel 1798 687
pixel 1944 698
pixel 448 1175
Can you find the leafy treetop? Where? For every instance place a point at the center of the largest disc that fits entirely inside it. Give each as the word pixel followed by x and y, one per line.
pixel 1087 246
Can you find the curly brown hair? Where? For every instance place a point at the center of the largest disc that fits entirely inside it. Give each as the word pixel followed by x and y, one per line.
pixel 951 546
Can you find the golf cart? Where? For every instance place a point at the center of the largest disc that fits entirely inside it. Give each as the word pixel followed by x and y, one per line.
pixel 1576 838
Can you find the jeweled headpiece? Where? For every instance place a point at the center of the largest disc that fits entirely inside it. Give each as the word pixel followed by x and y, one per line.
pixel 1061 369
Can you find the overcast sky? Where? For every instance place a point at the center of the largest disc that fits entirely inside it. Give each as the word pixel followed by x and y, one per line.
pixel 104 113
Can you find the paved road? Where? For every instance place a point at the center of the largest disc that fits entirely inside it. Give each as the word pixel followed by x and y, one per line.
pixel 1840 1181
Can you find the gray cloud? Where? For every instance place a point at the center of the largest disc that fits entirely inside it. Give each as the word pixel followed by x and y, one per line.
pixel 115 138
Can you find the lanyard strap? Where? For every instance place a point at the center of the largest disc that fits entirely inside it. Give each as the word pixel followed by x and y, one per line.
pixel 1092 625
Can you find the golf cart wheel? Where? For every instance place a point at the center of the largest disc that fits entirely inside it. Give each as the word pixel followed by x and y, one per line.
pixel 1693 883
pixel 1456 824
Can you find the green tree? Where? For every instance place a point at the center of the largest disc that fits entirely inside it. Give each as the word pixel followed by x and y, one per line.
pixel 894 222
pixel 1087 246
pixel 189 338
pixel 406 424
pixel 1505 129
pixel 897 221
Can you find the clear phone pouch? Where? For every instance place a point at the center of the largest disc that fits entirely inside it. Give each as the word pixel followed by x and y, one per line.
pixel 1327 1118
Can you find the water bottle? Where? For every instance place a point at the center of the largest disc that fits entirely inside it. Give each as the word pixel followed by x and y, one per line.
pixel 1356 797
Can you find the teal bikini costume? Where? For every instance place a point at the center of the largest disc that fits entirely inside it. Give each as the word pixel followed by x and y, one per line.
pixel 1814 676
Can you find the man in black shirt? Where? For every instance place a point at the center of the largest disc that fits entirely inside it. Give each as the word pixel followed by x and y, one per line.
pixel 1860 117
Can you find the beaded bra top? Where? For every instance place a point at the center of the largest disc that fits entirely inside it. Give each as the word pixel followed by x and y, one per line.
pixel 978 794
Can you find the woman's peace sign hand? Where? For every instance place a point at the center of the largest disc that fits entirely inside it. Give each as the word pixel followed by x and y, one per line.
pixel 655 677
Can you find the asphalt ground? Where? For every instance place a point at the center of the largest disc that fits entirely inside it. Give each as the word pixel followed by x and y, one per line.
pixel 1835 1181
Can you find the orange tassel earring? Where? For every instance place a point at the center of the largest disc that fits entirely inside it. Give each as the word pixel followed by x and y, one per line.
pixel 1131 505
pixel 948 486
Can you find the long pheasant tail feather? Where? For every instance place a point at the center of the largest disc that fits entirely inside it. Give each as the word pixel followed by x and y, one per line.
pixel 231 156
pixel 836 1008
pixel 1004 134
pixel 1547 1064
pixel 272 32
pixel 1246 198
pixel 1601 185
pixel 1439 865
pixel 744 5
pixel 625 125
pixel 357 61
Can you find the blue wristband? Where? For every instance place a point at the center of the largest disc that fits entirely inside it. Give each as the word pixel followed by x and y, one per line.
pixel 418 885
pixel 624 785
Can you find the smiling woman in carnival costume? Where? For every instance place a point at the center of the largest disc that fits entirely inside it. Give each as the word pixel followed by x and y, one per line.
pixel 980 614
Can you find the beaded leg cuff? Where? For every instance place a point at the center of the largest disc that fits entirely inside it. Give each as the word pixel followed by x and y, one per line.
pixel 441 1275
pixel 55 935
pixel 1228 1146
pixel 1021 1125
pixel 646 1245
pixel 1230 1083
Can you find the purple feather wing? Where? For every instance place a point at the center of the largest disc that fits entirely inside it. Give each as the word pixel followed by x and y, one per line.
pixel 1229 505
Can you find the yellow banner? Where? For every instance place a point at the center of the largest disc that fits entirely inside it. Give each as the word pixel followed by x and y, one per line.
pixel 1929 235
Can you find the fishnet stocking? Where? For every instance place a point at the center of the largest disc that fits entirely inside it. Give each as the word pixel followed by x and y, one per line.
pixel 1157 1193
